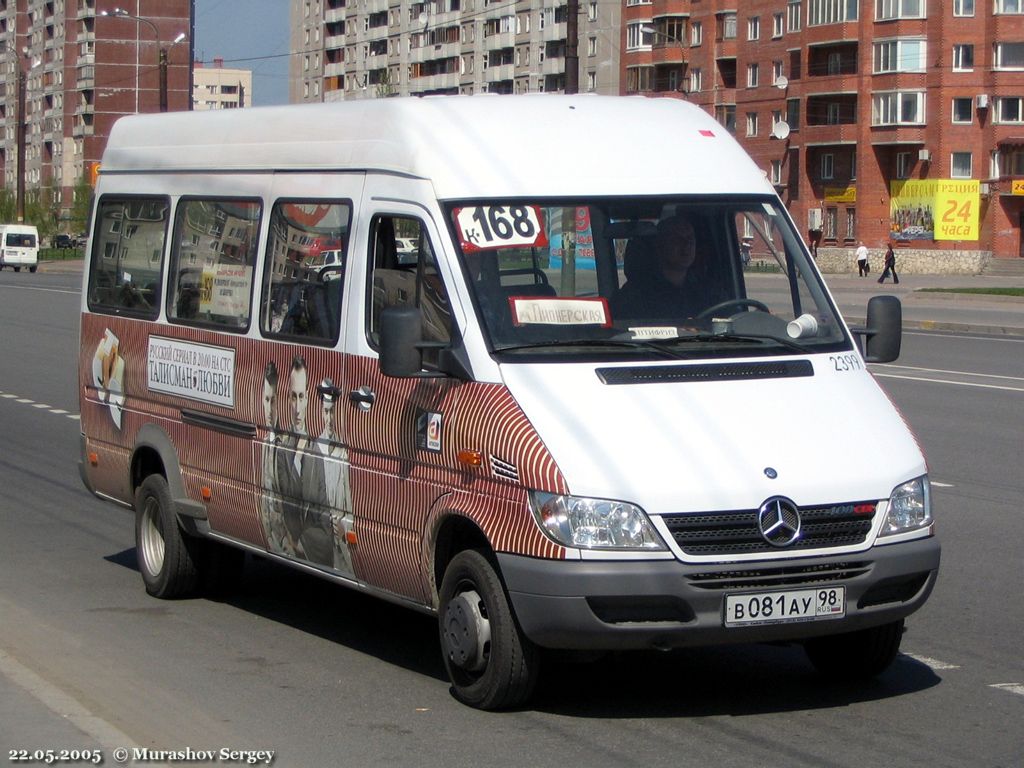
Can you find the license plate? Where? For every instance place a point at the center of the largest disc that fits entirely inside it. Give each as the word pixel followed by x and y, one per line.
pixel 782 607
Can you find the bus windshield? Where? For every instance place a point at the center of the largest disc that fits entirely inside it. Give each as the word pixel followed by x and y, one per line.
pixel 627 276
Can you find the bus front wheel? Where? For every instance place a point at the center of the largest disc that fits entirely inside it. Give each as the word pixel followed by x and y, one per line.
pixel 491 664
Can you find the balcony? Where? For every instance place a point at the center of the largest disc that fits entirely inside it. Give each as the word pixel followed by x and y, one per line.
pixel 499 72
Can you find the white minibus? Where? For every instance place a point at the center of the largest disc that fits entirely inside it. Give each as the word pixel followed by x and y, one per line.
pixel 19 246
pixel 542 397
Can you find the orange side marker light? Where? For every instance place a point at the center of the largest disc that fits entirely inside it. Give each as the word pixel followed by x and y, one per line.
pixel 470 458
pixel 207 493
pixel 94 458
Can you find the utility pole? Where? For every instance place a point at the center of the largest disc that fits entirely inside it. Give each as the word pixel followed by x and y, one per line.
pixel 572 47
pixel 20 186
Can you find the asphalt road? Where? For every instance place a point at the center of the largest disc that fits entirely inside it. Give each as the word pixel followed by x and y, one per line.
pixel 323 676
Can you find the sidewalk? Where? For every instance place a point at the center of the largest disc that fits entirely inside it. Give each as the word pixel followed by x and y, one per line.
pixel 966 313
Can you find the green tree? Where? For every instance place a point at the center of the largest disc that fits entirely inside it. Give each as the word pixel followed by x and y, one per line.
pixel 82 205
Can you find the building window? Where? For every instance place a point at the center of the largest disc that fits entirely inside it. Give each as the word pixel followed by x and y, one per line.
pixel 1009 109
pixel 778 24
pixel 963 57
pixel 793 15
pixel 729 26
pixel 591 81
pixel 752 75
pixel 751 123
pixel 695 80
pixel 900 56
pixel 638 79
pixel 777 71
pixel 853 165
pixel 831 223
pixel 902 165
pixel 775 174
pixel 754 28
pixel 960 165
pixel 828 166
pixel 833 113
pixel 851 223
pixel 899 9
pixel 1009 56
pixel 831 11
pixel 726 115
pixel 963 7
pixel 962 110
pixel 592 46
pixel 898 108
pixel 636 36
pixel 696 33
pixel 591 12
pixel 793 114
pixel 1009 6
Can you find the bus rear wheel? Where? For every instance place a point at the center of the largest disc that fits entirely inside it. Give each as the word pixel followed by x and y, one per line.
pixel 491 664
pixel 167 557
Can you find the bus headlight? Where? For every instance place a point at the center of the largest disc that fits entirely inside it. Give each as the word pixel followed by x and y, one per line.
pixel 577 521
pixel 910 507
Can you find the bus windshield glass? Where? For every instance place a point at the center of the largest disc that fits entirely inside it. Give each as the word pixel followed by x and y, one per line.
pixel 664 276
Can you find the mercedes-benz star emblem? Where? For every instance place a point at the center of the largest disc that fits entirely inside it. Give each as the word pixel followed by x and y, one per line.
pixel 779 522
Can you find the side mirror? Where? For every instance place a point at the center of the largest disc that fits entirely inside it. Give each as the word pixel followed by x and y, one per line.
pixel 884 331
pixel 401 332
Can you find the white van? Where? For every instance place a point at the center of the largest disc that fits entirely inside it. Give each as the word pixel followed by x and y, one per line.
pixel 19 246
pixel 575 422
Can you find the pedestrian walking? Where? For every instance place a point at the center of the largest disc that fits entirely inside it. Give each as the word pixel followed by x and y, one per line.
pixel 890 266
pixel 862 260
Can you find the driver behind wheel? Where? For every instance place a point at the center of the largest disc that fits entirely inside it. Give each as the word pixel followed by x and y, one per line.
pixel 665 282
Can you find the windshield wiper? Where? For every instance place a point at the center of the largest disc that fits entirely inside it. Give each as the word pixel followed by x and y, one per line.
pixel 630 343
pixel 710 338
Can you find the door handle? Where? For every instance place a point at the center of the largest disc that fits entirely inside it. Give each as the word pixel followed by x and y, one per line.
pixel 363 398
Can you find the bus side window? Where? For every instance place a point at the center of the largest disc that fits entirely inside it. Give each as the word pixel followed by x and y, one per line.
pixel 405 274
pixel 305 270
pixel 127 255
pixel 211 275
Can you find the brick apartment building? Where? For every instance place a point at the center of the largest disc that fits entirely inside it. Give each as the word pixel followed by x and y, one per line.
pixel 875 119
pixel 82 70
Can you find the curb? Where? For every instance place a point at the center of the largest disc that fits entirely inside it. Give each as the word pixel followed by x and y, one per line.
pixel 939 325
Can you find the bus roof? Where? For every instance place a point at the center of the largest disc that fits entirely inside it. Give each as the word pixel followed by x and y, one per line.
pixel 532 145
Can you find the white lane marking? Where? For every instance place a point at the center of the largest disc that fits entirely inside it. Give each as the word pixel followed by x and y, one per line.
pixel 937 484
pixel 933 663
pixel 63 704
pixel 44 290
pixel 40 406
pixel 945 381
pixel 1017 688
pixel 955 373
pixel 969 338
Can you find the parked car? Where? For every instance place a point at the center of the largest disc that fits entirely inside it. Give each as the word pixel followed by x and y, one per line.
pixel 64 241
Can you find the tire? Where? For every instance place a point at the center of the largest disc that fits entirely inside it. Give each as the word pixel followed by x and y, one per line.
pixel 17 269
pixel 32 269
pixel 167 558
pixel 856 655
pixel 491 664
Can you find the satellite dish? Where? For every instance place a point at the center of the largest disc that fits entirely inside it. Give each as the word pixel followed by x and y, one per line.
pixel 782 82
pixel 780 130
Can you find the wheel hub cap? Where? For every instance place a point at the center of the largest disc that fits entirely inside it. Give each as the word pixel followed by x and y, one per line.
pixel 467 632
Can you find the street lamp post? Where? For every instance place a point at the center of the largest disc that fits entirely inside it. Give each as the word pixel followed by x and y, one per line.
pixel 121 13
pixel 20 137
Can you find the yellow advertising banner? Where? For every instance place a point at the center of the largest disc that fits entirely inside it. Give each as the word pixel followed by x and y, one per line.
pixel 1017 187
pixel 934 209
pixel 840 194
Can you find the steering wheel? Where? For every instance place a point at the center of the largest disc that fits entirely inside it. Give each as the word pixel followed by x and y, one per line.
pixel 737 303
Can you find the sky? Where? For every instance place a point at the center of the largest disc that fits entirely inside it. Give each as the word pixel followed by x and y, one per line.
pixel 247 34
